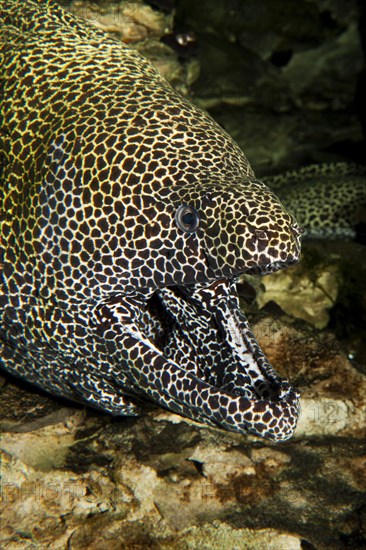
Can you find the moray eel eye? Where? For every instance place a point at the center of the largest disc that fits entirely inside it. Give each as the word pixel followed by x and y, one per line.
pixel 187 218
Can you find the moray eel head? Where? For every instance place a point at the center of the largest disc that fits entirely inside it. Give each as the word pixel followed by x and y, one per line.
pixel 243 228
pixel 129 216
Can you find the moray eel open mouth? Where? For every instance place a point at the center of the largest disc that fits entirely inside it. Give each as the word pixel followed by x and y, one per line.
pixel 232 385
pixel 128 216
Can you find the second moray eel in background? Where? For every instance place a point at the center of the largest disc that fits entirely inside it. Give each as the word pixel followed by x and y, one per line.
pixel 328 200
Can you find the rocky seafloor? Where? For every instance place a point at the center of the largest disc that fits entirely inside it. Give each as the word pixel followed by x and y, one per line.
pixel 77 479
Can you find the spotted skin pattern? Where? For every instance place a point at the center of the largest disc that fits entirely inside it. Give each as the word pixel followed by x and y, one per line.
pixel 328 200
pixel 114 294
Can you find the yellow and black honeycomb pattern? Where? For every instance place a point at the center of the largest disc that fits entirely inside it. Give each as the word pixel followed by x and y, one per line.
pixel 328 200
pixel 127 216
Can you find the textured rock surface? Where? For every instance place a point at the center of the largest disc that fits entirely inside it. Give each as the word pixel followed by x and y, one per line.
pixel 282 77
pixel 305 294
pixel 136 23
pixel 176 485
pixel 327 288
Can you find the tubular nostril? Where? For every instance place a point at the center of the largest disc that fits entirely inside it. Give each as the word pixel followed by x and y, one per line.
pixel 260 234
pixel 298 230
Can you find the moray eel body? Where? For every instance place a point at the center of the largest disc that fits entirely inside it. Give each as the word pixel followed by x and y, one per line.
pixel 128 216
pixel 328 200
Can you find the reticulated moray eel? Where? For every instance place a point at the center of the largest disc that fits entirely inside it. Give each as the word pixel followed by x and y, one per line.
pixel 328 200
pixel 128 216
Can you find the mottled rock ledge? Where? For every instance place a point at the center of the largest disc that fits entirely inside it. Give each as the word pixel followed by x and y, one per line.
pixel 161 482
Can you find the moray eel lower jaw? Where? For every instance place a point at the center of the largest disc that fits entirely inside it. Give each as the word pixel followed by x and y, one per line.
pixel 234 386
